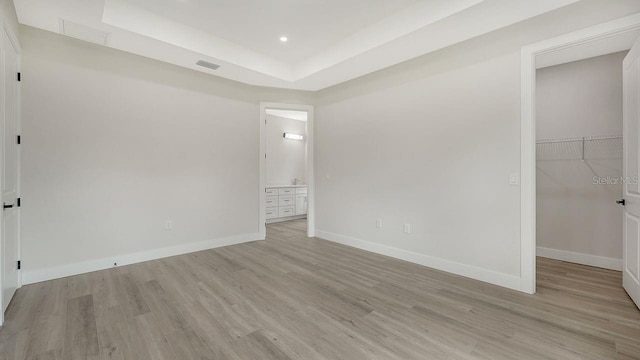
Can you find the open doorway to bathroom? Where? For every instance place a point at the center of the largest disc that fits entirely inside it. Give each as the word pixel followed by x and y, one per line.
pixel 287 166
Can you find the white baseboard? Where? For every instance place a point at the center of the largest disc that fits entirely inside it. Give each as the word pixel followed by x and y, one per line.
pixel 580 258
pixel 473 272
pixel 56 272
pixel 277 220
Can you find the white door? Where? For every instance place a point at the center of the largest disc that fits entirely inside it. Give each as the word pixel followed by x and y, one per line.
pixel 9 120
pixel 631 248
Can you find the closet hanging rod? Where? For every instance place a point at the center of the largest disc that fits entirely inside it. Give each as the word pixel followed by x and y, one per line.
pixel 587 138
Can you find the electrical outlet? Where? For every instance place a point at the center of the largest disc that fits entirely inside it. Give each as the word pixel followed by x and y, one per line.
pixel 407 228
pixel 379 223
pixel 168 225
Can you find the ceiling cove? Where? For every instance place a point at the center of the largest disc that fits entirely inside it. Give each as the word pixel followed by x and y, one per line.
pixel 327 42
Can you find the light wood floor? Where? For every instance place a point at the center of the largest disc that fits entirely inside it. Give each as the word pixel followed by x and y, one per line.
pixel 296 298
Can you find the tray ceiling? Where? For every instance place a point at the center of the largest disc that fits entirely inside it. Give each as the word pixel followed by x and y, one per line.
pixel 329 41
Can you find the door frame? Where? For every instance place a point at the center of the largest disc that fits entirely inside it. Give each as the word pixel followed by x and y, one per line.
pixel 528 130
pixel 311 228
pixel 15 43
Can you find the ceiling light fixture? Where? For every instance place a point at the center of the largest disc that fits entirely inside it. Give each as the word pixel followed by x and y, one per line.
pixel 284 39
pixel 292 136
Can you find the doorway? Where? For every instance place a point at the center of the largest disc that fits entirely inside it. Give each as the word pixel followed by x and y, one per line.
pixel 286 165
pixel 579 150
pixel 615 36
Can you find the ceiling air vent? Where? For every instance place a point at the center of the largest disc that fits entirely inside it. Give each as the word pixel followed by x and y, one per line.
pixel 207 64
pixel 85 33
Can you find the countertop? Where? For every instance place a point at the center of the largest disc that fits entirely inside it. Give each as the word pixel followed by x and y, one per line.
pixel 285 186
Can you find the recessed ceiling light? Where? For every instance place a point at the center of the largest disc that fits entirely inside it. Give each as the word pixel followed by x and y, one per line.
pixel 284 39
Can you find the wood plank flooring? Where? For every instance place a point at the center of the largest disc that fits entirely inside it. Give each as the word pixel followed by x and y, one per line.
pixel 296 298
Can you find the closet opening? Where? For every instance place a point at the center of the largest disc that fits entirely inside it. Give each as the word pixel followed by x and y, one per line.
pixel 579 165
pixel 580 156
pixel 586 164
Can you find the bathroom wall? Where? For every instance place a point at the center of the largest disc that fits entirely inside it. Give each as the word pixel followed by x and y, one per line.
pixel 285 157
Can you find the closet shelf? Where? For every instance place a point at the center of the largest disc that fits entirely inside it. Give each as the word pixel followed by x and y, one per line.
pixel 584 148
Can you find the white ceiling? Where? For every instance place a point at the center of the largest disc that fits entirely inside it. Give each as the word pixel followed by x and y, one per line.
pixel 304 22
pixel 330 41
pixel 289 114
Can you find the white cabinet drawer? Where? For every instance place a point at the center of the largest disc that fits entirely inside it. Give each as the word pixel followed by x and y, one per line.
pixel 301 190
pixel 286 200
pixel 286 191
pixel 285 211
pixel 271 192
pixel 271 201
pixel 271 213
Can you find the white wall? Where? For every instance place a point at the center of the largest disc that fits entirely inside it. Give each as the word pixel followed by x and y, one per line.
pixel 115 144
pixel 9 17
pixel 432 142
pixel 285 158
pixel 579 99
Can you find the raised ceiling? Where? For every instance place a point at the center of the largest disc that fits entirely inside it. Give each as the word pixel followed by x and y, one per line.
pixel 329 41
pixel 263 22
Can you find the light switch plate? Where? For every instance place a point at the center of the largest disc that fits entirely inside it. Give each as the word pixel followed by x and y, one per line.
pixel 514 179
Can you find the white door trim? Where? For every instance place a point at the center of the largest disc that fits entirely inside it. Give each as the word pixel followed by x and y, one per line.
pixel 528 131
pixel 311 224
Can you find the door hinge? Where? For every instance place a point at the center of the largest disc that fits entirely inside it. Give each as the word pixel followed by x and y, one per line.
pixel 18 139
pixel 19 77
pixel 18 202
pixel 19 265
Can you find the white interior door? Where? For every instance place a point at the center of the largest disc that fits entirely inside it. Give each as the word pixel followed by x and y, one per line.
pixel 631 247
pixel 9 119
